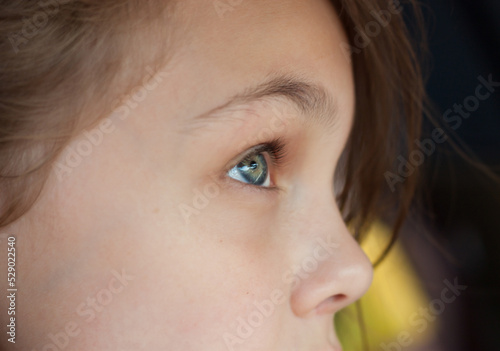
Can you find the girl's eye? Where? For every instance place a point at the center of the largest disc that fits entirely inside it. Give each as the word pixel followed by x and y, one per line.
pixel 253 169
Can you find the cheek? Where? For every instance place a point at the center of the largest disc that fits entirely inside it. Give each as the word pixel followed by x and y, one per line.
pixel 194 282
pixel 217 272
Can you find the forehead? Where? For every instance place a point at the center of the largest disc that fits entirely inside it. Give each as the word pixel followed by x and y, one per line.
pixel 230 47
pixel 256 30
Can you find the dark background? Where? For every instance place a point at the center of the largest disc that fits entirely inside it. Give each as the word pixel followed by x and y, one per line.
pixel 459 234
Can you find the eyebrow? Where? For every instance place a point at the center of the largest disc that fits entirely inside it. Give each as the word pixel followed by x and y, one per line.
pixel 311 100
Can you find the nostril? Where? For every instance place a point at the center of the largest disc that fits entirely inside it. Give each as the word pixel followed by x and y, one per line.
pixel 331 304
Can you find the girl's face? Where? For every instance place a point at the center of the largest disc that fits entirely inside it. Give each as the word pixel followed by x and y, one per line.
pixel 201 215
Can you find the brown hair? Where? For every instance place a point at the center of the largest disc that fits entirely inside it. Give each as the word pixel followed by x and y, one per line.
pixel 390 101
pixel 60 59
pixel 44 51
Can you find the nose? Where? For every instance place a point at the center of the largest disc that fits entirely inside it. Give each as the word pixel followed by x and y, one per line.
pixel 333 272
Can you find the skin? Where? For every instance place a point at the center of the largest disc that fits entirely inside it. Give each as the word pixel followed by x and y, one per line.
pixel 190 277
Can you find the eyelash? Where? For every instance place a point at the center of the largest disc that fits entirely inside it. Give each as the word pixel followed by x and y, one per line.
pixel 275 148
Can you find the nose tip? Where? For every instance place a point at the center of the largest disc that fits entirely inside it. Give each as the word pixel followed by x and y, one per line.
pixel 352 283
pixel 341 279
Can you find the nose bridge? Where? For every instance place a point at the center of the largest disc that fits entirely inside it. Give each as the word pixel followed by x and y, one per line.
pixel 331 269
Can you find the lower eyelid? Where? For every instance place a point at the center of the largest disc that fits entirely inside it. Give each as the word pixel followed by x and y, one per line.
pixel 231 183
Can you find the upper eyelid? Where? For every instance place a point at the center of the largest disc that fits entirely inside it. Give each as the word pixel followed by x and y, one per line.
pixel 254 150
pixel 276 149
